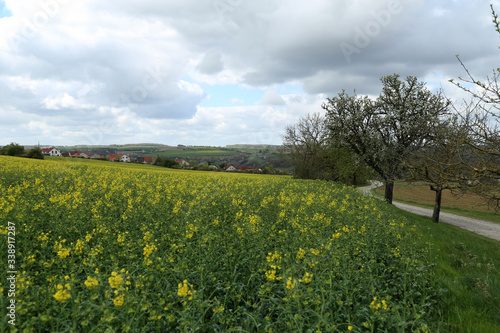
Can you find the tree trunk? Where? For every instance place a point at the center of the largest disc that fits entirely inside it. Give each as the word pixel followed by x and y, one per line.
pixel 437 206
pixel 389 189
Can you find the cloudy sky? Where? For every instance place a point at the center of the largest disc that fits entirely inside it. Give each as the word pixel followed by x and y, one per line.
pixel 217 72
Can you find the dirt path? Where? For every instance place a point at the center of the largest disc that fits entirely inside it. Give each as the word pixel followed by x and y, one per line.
pixel 484 228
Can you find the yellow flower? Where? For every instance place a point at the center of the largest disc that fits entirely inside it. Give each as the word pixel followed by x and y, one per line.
pixel 274 257
pixel 349 328
pixel 79 246
pixel 307 278
pixel 184 290
pixel 116 280
pixel 91 283
pixel 121 238
pixel 290 284
pixel 271 274
pixel 63 253
pixel 119 300
pixel 62 294
pixel 148 249
pixel 147 236
pixel 301 253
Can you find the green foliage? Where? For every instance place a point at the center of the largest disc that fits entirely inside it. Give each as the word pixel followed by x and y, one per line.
pixel 383 132
pixel 13 149
pixel 166 162
pixel 269 170
pixel 468 270
pixel 35 153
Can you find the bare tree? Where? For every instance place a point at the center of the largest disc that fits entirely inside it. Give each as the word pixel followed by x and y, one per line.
pixel 315 155
pixel 483 118
pixel 306 141
pixel 440 164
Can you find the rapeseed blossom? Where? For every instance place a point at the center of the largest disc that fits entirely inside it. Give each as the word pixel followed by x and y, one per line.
pixel 290 284
pixel 184 290
pixel 119 300
pixel 301 253
pixel 62 294
pixel 63 253
pixel 307 278
pixel 115 280
pixel 91 282
pixel 148 249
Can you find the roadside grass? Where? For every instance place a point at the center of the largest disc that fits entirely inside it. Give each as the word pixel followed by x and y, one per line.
pixel 468 267
pixel 468 205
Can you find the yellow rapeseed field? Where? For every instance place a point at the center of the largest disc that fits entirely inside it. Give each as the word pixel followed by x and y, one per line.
pixel 109 247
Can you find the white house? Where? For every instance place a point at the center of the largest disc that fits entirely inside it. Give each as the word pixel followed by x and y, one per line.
pixel 230 167
pixel 182 163
pixel 125 158
pixel 51 151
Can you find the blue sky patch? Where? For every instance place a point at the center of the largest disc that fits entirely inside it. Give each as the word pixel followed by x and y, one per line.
pixel 233 94
pixel 4 11
pixel 224 95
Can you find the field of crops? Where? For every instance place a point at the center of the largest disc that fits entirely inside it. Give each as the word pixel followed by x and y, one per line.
pixel 195 153
pixel 104 247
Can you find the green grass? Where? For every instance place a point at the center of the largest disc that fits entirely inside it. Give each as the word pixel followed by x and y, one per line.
pixel 467 205
pixel 468 267
pixel 189 154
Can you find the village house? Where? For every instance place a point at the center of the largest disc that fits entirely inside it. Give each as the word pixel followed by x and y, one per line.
pixel 182 163
pixel 75 153
pixel 145 159
pixel 51 151
pixel 119 157
pixel 85 155
pixel 230 167
pixel 149 159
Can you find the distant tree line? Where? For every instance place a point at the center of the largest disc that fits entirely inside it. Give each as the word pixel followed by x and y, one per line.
pixel 165 162
pixel 14 149
pixel 315 154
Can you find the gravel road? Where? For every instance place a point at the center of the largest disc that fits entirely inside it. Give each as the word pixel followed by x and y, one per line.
pixel 484 228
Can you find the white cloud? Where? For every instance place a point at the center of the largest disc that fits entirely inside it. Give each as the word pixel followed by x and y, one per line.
pixel 271 97
pixel 211 63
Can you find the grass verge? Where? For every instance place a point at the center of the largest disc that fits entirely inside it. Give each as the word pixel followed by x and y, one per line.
pixel 468 269
pixel 467 205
